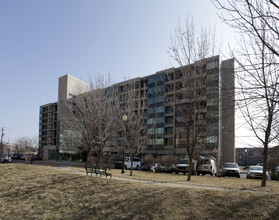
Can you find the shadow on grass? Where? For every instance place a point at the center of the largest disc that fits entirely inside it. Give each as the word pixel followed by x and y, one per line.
pixel 32 186
pixel 275 214
pixel 240 206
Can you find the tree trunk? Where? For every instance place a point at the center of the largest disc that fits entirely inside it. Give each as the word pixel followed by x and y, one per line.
pixel 264 166
pixel 190 168
pixel 99 160
pixel 87 160
pixel 132 162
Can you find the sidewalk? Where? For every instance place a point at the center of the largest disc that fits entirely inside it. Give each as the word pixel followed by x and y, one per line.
pixel 54 162
pixel 59 163
pixel 165 184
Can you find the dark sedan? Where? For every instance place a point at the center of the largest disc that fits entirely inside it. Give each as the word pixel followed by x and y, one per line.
pixel 275 173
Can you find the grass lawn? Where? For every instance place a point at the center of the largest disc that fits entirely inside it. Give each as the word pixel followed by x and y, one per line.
pixel 42 192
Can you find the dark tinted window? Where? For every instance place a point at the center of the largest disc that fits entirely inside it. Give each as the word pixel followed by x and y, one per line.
pixel 183 162
pixel 231 165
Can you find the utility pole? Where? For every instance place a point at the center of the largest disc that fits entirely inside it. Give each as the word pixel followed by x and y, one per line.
pixel 1 145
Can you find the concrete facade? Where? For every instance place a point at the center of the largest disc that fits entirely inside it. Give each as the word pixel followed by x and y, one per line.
pixel 70 86
pixel 227 112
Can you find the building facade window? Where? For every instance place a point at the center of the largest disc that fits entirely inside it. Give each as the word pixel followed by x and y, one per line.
pixel 150 121
pixel 212 65
pixel 160 120
pixel 211 139
pixel 169 141
pixel 159 141
pixel 169 109
pixel 169 130
pixel 169 119
pixel 159 130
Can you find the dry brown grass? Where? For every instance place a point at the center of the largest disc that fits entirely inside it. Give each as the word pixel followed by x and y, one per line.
pixel 41 192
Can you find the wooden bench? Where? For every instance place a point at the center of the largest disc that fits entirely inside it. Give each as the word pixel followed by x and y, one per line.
pixel 101 171
pixel 90 170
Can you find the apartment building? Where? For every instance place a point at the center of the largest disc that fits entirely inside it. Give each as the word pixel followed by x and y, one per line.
pixel 51 139
pixel 167 92
pixel 252 156
pixel 47 126
pixel 163 95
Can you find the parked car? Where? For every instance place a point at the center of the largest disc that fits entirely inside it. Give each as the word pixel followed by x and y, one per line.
pixel 16 156
pixel 118 164
pixel 182 166
pixel 167 168
pixel 36 157
pixel 156 168
pixel 136 163
pixel 207 165
pixel 274 175
pixel 230 169
pixel 6 158
pixel 145 167
pixel 255 172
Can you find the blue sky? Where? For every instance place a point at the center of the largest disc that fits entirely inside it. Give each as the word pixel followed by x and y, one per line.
pixel 41 41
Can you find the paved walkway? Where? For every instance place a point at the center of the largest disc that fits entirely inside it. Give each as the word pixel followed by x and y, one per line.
pixel 168 184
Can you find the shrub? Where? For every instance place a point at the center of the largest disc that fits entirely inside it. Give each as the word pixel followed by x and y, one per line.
pixel 168 160
pixel 149 159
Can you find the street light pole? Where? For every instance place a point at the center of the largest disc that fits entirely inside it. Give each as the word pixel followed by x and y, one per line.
pixel 245 157
pixel 123 162
pixel 1 144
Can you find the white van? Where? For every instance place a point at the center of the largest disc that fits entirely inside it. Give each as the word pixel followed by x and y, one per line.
pixel 136 163
pixel 6 158
pixel 207 165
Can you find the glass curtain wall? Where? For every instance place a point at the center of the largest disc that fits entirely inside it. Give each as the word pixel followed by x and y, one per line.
pixel 212 104
pixel 155 111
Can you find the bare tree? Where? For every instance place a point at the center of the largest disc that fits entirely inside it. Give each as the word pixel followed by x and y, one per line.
pixel 257 75
pixel 132 118
pixel 26 146
pixel 189 49
pixel 249 16
pixel 89 118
